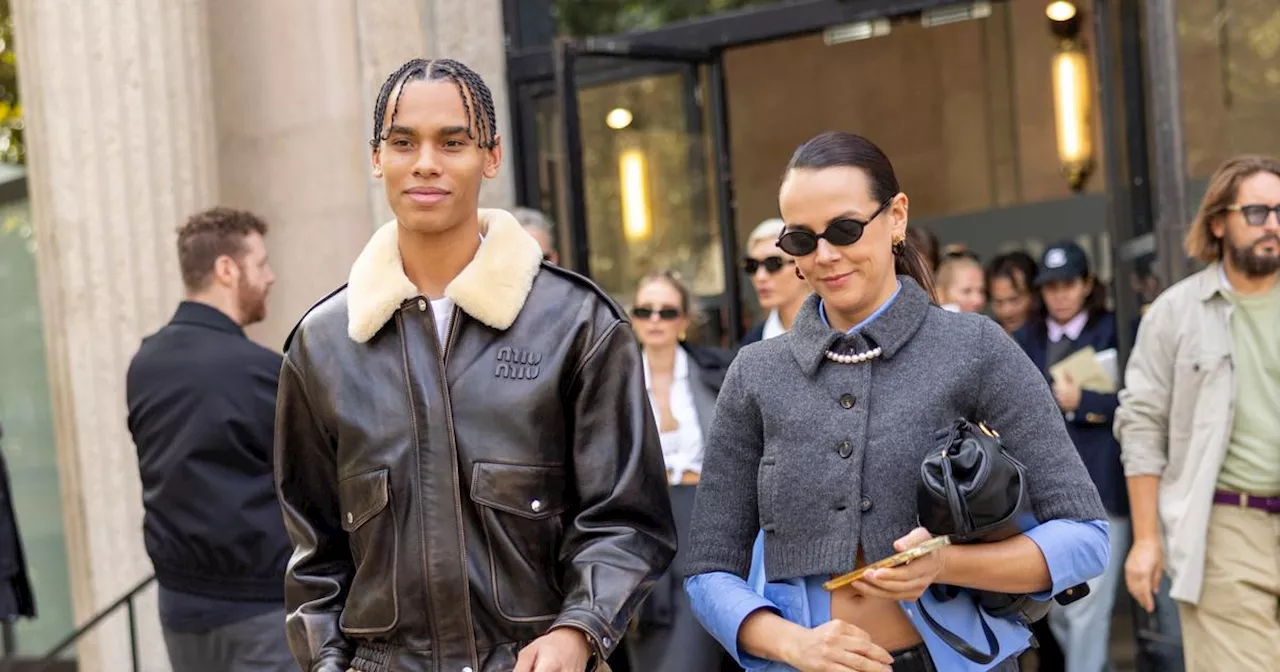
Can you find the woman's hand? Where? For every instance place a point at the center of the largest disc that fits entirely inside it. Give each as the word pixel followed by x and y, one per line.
pixel 1067 393
pixel 904 582
pixel 835 646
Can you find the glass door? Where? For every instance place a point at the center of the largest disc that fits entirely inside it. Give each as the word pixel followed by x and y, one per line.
pixel 643 173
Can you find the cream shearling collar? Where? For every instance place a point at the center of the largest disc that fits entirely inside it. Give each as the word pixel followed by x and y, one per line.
pixel 492 288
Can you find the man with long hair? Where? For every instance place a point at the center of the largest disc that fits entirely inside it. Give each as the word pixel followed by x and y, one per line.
pixel 1200 430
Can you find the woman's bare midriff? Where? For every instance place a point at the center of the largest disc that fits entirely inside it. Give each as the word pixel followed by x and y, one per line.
pixel 883 620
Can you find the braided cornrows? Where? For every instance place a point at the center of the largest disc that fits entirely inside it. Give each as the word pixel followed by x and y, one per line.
pixel 481 124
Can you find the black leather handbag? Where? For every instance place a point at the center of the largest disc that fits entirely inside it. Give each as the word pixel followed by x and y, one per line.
pixel 975 492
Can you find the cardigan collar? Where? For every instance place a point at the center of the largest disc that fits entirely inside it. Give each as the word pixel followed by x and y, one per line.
pixel 811 338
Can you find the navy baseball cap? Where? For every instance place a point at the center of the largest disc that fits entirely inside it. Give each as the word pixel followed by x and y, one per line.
pixel 1064 261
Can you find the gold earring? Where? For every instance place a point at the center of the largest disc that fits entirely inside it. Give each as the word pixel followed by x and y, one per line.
pixel 899 239
pixel 683 335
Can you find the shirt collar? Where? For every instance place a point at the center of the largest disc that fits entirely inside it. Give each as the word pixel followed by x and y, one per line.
pixel 822 312
pixel 204 315
pixel 773 326
pixel 681 369
pixel 1071 329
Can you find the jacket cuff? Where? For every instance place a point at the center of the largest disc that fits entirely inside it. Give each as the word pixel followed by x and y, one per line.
pixel 599 637
pixel 1142 458
pixel 331 663
pixel 1095 408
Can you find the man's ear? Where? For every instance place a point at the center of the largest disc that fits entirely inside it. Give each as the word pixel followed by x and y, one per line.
pixel 493 158
pixel 376 159
pixel 226 271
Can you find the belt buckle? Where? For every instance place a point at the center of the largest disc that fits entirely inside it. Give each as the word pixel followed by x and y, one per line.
pixel 1244 500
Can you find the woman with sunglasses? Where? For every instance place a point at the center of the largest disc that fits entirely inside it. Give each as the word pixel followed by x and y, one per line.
pixel 683 381
pixel 818 440
pixel 778 285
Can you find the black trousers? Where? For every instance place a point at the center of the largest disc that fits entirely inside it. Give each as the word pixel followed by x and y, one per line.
pixel 667 636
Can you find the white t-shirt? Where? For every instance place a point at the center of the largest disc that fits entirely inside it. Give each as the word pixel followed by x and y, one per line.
pixel 443 311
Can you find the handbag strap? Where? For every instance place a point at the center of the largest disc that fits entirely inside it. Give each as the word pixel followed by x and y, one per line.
pixel 957 642
pixel 957 504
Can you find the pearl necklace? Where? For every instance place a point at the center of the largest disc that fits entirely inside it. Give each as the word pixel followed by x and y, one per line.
pixel 856 358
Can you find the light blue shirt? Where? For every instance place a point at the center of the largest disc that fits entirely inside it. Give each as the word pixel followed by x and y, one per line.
pixel 1074 551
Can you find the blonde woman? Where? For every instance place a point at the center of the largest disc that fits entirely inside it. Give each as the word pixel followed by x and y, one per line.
pixel 778 285
pixel 683 381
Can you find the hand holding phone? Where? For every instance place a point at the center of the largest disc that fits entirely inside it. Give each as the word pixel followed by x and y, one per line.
pixel 895 560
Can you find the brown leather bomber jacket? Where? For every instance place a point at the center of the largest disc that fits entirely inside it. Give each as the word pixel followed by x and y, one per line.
pixel 449 505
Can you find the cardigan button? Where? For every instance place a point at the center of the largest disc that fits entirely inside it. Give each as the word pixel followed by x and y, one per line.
pixel 846 449
pixel 865 504
pixel 846 401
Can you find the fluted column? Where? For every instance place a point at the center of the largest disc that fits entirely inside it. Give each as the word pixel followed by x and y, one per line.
pixel 120 133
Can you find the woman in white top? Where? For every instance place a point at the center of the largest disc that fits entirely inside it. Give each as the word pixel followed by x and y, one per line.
pixel 683 381
pixel 779 287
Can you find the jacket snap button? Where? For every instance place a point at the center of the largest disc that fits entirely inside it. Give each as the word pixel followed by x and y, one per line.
pixel 350 518
pixel 422 305
pixel 466 669
pixel 847 401
pixel 846 448
pixel 536 505
pixel 865 504
pixel 607 642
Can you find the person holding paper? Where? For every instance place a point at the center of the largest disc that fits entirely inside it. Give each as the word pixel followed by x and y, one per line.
pixel 1071 341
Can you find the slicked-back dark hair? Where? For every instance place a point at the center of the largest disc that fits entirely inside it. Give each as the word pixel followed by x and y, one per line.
pixel 836 149
pixel 476 98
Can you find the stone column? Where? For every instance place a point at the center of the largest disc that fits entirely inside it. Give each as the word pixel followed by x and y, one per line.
pixel 120 133
pixel 394 31
pixel 292 142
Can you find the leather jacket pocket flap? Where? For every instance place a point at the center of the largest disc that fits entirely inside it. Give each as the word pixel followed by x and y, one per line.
pixel 532 492
pixel 362 497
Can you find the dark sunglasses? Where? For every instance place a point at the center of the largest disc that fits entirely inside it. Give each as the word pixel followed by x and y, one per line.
pixel 664 314
pixel 1256 215
pixel 840 232
pixel 771 264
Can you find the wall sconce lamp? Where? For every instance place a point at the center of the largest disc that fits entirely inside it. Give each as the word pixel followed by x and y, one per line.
pixel 633 177
pixel 1072 95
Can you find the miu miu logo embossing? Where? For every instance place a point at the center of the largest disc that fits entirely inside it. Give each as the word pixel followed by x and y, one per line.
pixel 517 364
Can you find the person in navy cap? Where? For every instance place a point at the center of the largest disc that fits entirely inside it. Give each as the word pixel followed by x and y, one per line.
pixel 1072 316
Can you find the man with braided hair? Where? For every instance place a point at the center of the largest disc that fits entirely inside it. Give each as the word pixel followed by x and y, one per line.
pixel 465 456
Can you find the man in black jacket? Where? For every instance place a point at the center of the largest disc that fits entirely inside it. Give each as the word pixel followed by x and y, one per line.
pixel 465 453
pixel 201 409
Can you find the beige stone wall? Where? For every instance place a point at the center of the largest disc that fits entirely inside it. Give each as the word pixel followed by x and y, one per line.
pixel 290 138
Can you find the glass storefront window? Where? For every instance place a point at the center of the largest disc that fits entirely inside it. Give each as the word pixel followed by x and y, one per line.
pixel 967 110
pixel 647 178
pixel 1229 57
pixel 28 442
pixel 581 18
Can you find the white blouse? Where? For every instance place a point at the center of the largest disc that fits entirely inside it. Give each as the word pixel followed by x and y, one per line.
pixel 681 447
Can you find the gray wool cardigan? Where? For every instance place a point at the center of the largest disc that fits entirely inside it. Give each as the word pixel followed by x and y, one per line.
pixel 825 457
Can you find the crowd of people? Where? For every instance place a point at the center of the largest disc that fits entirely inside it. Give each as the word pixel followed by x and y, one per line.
pixel 471 459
